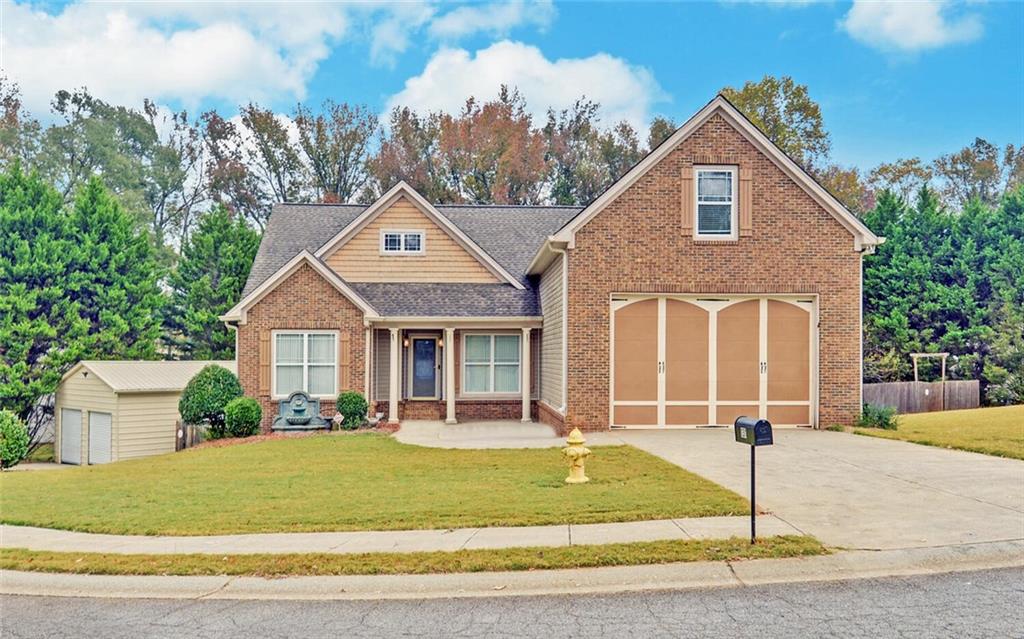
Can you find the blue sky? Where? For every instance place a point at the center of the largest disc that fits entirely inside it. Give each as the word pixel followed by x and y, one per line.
pixel 893 79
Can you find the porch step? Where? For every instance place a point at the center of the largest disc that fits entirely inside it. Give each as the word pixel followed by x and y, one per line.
pixel 424 410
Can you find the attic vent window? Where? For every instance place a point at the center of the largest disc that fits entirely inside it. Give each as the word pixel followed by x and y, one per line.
pixel 716 202
pixel 401 242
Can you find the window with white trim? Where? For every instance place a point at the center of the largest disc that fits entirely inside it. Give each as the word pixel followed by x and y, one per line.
pixel 490 363
pixel 401 242
pixel 306 361
pixel 716 202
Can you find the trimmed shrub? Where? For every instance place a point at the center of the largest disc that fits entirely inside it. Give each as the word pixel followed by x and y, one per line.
pixel 13 439
pixel 883 417
pixel 353 407
pixel 242 417
pixel 206 395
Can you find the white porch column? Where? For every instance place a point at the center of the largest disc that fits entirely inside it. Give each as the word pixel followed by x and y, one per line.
pixel 525 383
pixel 394 374
pixel 449 375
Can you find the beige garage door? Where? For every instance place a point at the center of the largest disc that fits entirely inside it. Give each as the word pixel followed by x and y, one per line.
pixel 689 361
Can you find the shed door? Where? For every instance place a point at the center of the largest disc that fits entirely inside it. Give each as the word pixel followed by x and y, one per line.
pixel 70 436
pixel 99 438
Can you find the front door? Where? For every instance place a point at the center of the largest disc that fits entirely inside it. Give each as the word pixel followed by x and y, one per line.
pixel 424 368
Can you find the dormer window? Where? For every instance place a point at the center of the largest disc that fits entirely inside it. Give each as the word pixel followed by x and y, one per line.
pixel 401 242
pixel 716 202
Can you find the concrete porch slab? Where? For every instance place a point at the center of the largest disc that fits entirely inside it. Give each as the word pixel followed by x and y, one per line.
pixel 481 434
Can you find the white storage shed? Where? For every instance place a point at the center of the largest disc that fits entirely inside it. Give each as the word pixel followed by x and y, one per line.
pixel 110 411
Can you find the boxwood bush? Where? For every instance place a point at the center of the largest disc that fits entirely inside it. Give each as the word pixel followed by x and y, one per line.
pixel 353 407
pixel 13 439
pixel 242 417
pixel 205 397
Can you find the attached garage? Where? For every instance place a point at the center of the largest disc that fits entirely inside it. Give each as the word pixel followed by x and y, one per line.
pixel 686 361
pixel 111 411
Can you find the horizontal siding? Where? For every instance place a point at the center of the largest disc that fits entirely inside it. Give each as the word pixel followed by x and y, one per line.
pixel 443 260
pixel 87 394
pixel 146 424
pixel 551 303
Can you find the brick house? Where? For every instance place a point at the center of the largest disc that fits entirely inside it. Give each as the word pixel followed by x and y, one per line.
pixel 714 279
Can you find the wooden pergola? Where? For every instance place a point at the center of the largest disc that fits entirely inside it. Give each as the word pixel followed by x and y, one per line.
pixel 917 356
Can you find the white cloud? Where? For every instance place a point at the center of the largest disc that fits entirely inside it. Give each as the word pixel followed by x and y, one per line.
pixel 496 19
pixel 391 35
pixel 167 51
pixel 625 92
pixel 909 26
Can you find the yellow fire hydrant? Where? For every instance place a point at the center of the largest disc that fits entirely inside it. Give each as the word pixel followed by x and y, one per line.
pixel 577 454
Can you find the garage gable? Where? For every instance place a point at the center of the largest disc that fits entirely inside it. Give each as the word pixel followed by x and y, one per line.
pixel 725 112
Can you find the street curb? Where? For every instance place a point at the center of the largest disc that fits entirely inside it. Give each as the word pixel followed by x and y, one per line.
pixel 854 564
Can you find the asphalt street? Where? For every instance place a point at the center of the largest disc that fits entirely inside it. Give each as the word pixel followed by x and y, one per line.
pixel 974 604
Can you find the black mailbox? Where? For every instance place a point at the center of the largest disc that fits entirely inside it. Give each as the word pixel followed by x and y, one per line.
pixel 754 432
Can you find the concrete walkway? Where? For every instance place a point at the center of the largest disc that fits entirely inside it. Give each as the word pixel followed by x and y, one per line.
pixel 393 541
pixel 852 491
pixel 481 434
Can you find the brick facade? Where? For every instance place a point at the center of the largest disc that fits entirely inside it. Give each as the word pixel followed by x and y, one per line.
pixel 637 245
pixel 303 301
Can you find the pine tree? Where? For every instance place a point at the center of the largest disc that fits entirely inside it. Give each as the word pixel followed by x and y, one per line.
pixel 40 329
pixel 79 284
pixel 115 277
pixel 208 281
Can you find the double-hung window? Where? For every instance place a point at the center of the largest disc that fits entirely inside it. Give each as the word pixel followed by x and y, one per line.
pixel 490 364
pixel 716 202
pixel 401 242
pixel 305 361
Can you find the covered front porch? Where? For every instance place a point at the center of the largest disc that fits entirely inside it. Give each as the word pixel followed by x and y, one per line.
pixel 454 370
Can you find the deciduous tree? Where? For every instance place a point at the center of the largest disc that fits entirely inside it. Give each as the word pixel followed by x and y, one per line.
pixel 335 144
pixel 785 112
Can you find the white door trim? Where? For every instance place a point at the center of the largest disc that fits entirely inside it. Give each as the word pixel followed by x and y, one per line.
pixel 412 364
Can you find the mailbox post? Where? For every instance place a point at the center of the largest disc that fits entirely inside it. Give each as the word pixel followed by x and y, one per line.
pixel 754 433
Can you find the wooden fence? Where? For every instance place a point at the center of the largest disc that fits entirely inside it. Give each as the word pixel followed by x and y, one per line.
pixel 187 436
pixel 924 397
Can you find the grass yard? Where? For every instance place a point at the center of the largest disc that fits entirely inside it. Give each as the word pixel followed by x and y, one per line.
pixel 639 553
pixel 994 431
pixel 355 482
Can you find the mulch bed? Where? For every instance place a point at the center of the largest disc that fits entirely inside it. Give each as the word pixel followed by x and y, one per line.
pixel 385 429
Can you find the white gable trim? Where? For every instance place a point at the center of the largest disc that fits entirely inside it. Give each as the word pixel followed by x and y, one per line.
pixel 428 209
pixel 863 237
pixel 239 313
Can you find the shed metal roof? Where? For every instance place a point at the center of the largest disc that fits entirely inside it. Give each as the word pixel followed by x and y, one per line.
pixel 146 376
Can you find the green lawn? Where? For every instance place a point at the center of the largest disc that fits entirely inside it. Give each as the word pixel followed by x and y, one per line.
pixel 994 431
pixel 384 563
pixel 355 482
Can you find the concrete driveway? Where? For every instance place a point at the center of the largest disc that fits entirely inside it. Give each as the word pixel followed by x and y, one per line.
pixel 858 492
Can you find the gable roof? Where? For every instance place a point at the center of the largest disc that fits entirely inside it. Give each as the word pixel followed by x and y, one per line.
pixel 863 237
pixel 401 190
pixel 510 234
pixel 145 376
pixel 238 311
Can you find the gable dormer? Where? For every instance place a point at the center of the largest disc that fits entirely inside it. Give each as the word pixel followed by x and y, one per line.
pixel 402 238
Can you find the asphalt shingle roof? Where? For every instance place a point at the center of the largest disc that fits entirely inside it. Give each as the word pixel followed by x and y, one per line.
pixel 511 235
